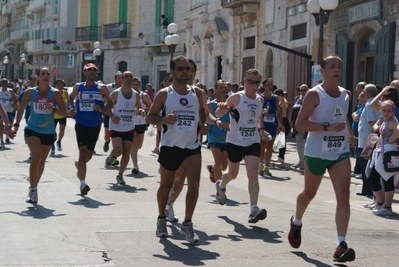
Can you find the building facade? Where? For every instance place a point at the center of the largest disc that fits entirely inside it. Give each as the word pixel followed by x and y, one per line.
pixel 38 33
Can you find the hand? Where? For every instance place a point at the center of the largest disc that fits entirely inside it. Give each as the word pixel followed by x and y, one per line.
pixel 204 129
pixel 222 105
pixel 171 118
pixel 72 112
pixel 98 108
pixel 336 127
pixel 141 112
pixel 115 119
pixel 11 133
pixel 225 125
pixel 352 141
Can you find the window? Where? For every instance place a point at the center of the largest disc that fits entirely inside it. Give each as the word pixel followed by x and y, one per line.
pixel 249 42
pixel 298 31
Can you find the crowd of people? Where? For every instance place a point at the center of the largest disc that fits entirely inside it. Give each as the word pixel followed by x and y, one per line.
pixel 240 122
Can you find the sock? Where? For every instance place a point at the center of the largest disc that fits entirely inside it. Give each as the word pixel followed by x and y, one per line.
pixel 186 221
pixel 33 188
pixel 254 208
pixel 162 217
pixel 296 222
pixel 380 203
pixel 83 182
pixel 135 166
pixel 220 186
pixel 341 239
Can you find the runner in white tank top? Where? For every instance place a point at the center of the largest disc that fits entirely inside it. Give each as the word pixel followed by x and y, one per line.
pixel 121 124
pixel 140 125
pixel 243 140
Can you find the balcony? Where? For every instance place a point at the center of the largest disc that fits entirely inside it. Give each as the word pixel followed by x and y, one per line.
pixel 87 34
pixel 52 9
pixel 249 6
pixel 20 29
pixel 61 47
pixel 6 9
pixel 37 5
pixel 19 3
pixel 116 31
pixel 36 46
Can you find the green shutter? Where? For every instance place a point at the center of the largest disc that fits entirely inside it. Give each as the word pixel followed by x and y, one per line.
pixel 171 7
pixel 123 9
pixel 94 12
pixel 158 14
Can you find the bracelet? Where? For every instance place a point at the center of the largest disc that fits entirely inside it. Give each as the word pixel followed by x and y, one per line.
pixel 216 120
pixel 16 124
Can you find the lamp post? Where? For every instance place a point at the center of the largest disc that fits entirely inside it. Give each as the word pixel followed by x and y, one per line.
pixel 172 40
pixel 97 51
pixel 5 63
pixel 321 10
pixel 23 59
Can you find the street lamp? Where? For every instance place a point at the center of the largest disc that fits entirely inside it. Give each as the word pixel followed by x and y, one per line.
pixel 5 63
pixel 173 39
pixel 97 51
pixel 321 10
pixel 23 59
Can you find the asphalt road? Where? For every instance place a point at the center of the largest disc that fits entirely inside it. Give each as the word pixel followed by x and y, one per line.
pixel 115 226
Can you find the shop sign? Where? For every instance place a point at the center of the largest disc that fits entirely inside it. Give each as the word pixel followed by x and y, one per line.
pixel 364 11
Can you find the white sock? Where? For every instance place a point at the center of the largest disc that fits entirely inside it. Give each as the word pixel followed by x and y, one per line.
pixel 296 222
pixel 83 182
pixel 341 239
pixel 254 208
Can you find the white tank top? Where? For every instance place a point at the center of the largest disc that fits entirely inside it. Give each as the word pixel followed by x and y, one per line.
pixel 5 100
pixel 138 119
pixel 124 109
pixel 244 121
pixel 184 133
pixel 325 144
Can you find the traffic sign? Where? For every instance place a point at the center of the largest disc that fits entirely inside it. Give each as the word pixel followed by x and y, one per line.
pixel 55 71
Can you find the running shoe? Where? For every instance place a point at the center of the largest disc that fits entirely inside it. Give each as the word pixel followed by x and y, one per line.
pixel 170 214
pixel 278 159
pixel 211 175
pixel 370 205
pixel 109 160
pixel 162 231
pixel 254 217
pixel 84 189
pixel 32 197
pixel 115 163
pixel 53 150
pixel 155 150
pixel 294 236
pixel 220 194
pixel 135 170
pixel 106 146
pixel 383 211
pixel 267 172
pixel 59 148
pixel 2 145
pixel 261 169
pixel 30 156
pixel 343 253
pixel 7 140
pixel 119 180
pixel 187 230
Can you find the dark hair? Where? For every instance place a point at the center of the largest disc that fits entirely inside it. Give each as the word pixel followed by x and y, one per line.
pixel 173 61
pixel 279 92
pixel 266 80
pixel 137 79
pixel 392 95
pixel 117 73
pixel 192 62
pixel 163 16
pixel 59 80
pixel 168 78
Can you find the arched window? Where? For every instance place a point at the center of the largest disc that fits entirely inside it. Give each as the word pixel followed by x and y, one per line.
pixel 122 66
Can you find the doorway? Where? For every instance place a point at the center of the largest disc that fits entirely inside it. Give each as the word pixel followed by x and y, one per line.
pixel 366 68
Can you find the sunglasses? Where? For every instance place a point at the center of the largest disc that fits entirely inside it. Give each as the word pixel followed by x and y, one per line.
pixel 180 68
pixel 91 69
pixel 253 81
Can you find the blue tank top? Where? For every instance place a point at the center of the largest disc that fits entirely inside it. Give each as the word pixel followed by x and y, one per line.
pixel 85 100
pixel 215 134
pixel 41 119
pixel 270 117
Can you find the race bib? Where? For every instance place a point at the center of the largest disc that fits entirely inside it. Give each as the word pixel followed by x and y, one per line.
pixel 86 105
pixel 333 144
pixel 269 118
pixel 40 107
pixel 185 123
pixel 126 119
pixel 247 133
pixel 4 101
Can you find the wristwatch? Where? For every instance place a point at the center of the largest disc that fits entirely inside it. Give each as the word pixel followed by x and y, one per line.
pixel 325 125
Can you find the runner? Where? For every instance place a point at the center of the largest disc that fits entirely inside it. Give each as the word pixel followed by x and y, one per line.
pixel 9 101
pixel 40 130
pixel 60 85
pixel 87 114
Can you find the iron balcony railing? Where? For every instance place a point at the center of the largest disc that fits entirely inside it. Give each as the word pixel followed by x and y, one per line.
pixel 90 33
pixel 116 31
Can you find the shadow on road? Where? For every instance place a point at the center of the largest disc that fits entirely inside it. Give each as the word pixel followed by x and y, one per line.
pixel 313 261
pixel 252 232
pixel 90 203
pixel 125 188
pixel 36 212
